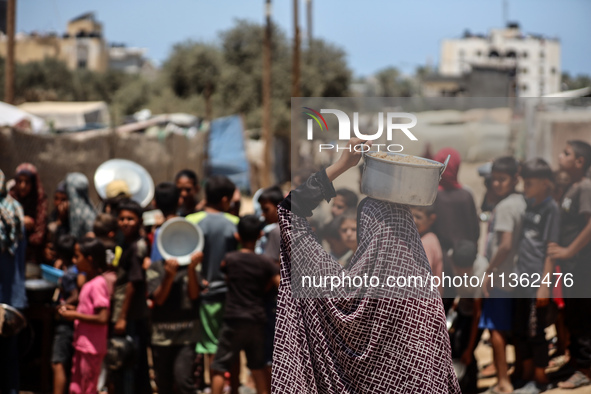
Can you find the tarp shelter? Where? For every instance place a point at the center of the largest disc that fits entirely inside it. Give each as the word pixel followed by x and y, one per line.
pixel 226 151
pixel 70 115
pixel 13 116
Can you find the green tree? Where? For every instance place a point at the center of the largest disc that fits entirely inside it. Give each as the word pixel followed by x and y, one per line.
pixel 392 84
pixel 578 82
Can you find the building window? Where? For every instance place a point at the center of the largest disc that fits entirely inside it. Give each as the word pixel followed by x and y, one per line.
pixel 524 70
pixel 511 53
pixel 542 54
pixel 478 53
pixel 525 54
pixel 553 70
pixel 493 53
pixel 541 70
pixel 524 88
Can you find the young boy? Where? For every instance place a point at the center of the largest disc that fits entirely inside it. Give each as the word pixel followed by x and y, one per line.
pixel 249 277
pixel 105 229
pixel 164 196
pixel 269 243
pixel 130 311
pixel 464 338
pixel 218 228
pixel 424 218
pixel 504 234
pixel 573 252
pixel 188 184
pixel 62 350
pixel 175 325
pixel 540 226
pixel 344 200
pixel 269 246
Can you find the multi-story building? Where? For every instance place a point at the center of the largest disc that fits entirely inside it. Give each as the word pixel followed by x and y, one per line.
pixel 81 47
pixel 536 59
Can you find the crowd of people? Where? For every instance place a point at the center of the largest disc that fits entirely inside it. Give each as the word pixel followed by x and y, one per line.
pixel 122 306
pixel 119 297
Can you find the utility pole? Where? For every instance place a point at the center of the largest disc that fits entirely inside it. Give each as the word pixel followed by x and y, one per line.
pixel 9 72
pixel 309 21
pixel 295 77
pixel 266 179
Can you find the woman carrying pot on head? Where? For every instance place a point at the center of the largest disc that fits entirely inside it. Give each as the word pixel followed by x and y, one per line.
pixel 363 335
pixel 28 191
pixel 12 281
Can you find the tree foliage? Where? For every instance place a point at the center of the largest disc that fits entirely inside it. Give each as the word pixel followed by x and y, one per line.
pixel 223 78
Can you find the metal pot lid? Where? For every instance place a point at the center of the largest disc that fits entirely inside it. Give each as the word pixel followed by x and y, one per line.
pixel 138 180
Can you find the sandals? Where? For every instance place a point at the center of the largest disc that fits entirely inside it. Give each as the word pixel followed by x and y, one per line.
pixel 578 379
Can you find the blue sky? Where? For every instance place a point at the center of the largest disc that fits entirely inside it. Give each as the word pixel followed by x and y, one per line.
pixel 375 34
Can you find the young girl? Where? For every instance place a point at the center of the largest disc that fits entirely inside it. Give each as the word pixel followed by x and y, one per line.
pixel 91 316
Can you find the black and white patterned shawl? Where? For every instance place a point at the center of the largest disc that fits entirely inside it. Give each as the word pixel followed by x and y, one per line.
pixel 369 341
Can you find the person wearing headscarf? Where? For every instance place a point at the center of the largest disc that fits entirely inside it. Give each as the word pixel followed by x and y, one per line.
pixel 81 211
pixel 357 339
pixel 29 192
pixel 12 281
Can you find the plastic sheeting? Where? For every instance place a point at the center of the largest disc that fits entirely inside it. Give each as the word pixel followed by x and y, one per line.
pixel 227 153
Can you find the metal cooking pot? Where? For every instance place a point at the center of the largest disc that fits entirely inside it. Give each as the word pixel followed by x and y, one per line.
pixel 39 291
pixel 403 183
pixel 11 321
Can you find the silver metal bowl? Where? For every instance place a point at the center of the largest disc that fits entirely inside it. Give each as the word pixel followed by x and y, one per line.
pixel 403 183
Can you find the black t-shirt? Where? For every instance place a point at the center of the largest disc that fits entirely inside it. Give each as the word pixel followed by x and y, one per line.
pixel 456 218
pixel 541 224
pixel 176 321
pixel 575 204
pixel 247 275
pixel 130 269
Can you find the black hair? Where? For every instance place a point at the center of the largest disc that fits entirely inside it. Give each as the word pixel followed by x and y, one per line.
pixel 427 210
pixel 249 228
pixel 536 168
pixel 331 229
pixel 92 247
pixel 217 187
pixel 506 164
pixel 273 194
pixel 64 248
pixel 581 149
pixel 132 206
pixel 104 224
pixel 349 196
pixel 167 196
pixel 464 253
pixel 349 214
pixel 186 173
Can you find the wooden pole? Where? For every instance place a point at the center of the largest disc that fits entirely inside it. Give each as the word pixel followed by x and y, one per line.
pixel 266 178
pixel 295 78
pixel 9 71
pixel 309 21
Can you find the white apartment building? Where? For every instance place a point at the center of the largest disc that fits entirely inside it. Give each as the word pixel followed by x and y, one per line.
pixel 536 59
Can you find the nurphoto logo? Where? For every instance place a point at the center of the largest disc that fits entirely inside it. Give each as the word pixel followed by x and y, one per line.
pixel 392 120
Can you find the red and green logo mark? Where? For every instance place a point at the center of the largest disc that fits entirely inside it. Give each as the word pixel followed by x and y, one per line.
pixel 315 117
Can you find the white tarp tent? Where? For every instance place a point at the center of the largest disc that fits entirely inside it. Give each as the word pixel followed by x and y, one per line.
pixel 13 116
pixel 70 115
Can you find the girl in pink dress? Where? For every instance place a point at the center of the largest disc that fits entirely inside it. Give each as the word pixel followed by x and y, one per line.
pixel 90 317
